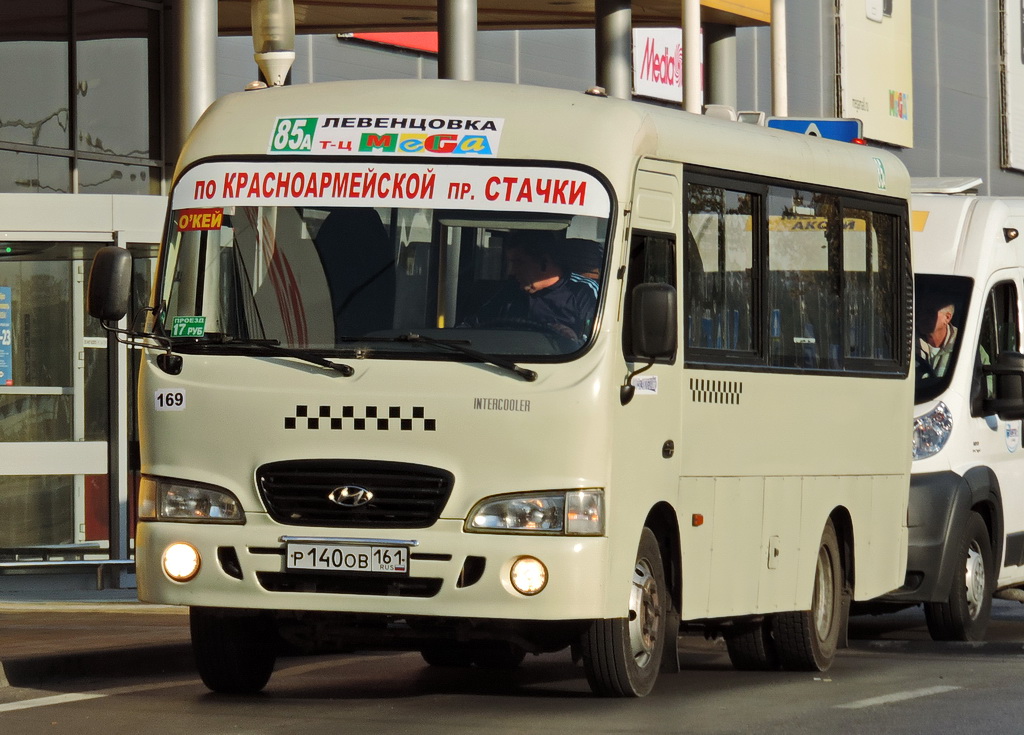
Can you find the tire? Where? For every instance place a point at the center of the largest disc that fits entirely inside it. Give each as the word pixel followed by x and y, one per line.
pixel 807 640
pixel 448 655
pixel 964 616
pixel 234 652
pixel 622 656
pixel 498 656
pixel 751 646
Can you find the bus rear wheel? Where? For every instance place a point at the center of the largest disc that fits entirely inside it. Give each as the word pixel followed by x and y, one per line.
pixel 622 656
pixel 235 651
pixel 965 614
pixel 751 645
pixel 806 640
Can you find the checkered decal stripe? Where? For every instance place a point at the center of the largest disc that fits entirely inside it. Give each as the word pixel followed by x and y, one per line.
pixel 368 418
pixel 716 391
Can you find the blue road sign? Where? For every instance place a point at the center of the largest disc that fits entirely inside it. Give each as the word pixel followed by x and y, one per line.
pixel 845 129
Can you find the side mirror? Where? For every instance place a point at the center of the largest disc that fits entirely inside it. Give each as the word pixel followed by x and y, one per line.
pixel 1007 377
pixel 110 284
pixel 653 326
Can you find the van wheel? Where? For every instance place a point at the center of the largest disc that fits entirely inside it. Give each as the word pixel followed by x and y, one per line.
pixel 622 656
pixel 807 640
pixel 235 651
pixel 965 614
pixel 751 645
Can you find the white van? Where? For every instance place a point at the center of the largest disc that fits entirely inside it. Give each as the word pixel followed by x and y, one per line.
pixel 967 492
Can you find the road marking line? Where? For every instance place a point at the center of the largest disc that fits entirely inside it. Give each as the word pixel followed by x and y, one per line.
pixel 98 694
pixel 897 697
pixel 47 701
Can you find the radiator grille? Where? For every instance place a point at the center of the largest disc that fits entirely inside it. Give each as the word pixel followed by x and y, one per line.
pixel 299 492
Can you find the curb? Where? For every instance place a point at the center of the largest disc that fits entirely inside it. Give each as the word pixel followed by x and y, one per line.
pixel 133 607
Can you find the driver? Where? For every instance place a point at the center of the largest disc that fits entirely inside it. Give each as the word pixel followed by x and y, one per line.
pixel 539 291
pixel 936 337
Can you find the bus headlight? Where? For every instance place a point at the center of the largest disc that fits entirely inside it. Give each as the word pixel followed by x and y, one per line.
pixel 164 499
pixel 563 512
pixel 931 431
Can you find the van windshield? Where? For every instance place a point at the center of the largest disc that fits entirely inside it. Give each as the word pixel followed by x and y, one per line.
pixel 516 279
pixel 940 311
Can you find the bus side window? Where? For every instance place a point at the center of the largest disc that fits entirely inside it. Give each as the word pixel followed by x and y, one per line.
pixel 999 333
pixel 719 267
pixel 870 259
pixel 652 259
pixel 804 244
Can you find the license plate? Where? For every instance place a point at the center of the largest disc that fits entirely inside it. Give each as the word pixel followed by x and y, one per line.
pixel 349 558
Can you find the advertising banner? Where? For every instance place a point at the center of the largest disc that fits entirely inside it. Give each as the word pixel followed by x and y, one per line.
pixel 658 63
pixel 875 70
pixel 6 338
pixel 1013 85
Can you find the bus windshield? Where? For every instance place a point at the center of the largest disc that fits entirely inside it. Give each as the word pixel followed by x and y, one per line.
pixel 383 280
pixel 940 310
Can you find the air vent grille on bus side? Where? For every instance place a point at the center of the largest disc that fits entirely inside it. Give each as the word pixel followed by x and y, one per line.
pixel 353 494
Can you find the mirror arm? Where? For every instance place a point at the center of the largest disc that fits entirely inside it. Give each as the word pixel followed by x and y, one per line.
pixel 169 362
pixel 627 390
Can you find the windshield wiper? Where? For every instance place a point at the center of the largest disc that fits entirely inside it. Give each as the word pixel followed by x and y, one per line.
pixel 273 346
pixel 460 347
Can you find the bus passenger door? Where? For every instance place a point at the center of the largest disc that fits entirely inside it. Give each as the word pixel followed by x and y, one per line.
pixel 648 423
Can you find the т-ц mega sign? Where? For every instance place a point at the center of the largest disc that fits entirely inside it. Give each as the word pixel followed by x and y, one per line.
pixel 386 134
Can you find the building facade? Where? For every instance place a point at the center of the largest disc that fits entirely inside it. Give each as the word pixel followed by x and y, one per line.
pixel 88 108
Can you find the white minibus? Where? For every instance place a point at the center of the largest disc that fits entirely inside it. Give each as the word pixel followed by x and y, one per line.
pixel 967 491
pixel 483 370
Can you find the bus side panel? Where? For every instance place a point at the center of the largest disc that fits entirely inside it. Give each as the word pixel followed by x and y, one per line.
pixel 696 530
pixel 779 571
pixel 757 552
pixel 736 545
pixel 875 504
pixel 887 552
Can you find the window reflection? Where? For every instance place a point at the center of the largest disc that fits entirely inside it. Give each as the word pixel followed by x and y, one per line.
pixel 99 177
pixel 29 173
pixel 113 121
pixel 112 57
pixel 36 510
pixel 34 48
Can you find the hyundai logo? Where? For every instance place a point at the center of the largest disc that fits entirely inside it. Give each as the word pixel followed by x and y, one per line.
pixel 350 496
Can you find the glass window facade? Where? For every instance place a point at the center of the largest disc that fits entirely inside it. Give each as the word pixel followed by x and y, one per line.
pixel 81 97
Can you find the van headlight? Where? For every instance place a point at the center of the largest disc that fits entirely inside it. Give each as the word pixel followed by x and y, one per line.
pixel 556 512
pixel 164 499
pixel 931 431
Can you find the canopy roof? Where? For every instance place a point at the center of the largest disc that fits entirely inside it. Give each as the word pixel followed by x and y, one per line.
pixel 347 16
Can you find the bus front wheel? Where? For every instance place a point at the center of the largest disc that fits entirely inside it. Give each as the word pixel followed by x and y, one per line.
pixel 622 656
pixel 806 640
pixel 235 651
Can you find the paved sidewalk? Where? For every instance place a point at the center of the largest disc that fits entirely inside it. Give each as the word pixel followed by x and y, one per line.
pixel 64 634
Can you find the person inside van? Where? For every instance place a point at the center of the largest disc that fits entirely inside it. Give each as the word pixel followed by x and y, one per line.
pixel 540 292
pixel 936 338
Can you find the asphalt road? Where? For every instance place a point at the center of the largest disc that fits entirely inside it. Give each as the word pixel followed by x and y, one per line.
pixel 892 679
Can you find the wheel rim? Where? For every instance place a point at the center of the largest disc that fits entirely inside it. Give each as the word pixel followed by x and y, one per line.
pixel 824 594
pixel 644 613
pixel 974 578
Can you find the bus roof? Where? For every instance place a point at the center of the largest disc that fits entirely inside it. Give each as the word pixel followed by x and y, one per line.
pixel 544 124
